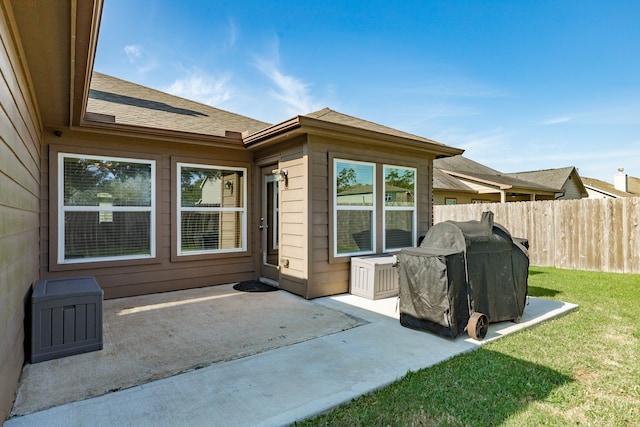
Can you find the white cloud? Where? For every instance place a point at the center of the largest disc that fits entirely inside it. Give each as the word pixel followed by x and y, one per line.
pixel 293 92
pixel 133 52
pixel 201 87
pixel 137 55
pixel 477 145
pixel 557 120
pixel 233 33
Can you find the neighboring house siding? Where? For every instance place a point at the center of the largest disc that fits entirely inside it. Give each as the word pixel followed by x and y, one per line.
pixel 594 194
pixel 571 190
pixel 439 197
pixel 20 177
pixel 167 271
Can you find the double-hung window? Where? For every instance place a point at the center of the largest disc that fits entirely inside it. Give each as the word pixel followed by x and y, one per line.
pixel 399 207
pixel 211 212
pixel 106 209
pixel 355 207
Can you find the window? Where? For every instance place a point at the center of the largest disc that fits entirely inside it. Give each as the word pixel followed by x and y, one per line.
pixel 450 201
pixel 399 207
pixel 354 201
pixel 106 208
pixel 212 215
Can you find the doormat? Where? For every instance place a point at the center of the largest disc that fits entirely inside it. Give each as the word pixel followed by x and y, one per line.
pixel 253 286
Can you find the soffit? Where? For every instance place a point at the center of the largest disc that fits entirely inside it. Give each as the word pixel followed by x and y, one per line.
pixel 58 42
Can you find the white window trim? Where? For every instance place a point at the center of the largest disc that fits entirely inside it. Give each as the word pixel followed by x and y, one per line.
pixel 180 209
pixel 386 208
pixel 62 209
pixel 336 208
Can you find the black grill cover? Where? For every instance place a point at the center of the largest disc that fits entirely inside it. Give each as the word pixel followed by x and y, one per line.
pixel 461 268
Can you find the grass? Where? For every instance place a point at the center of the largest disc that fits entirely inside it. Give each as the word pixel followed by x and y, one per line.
pixel 580 369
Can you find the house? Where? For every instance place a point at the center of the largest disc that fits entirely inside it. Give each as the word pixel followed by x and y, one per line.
pixel 471 182
pixel 462 180
pixel 623 186
pixel 148 192
pixel 567 179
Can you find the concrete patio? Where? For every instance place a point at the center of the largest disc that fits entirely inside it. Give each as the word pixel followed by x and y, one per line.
pixel 281 384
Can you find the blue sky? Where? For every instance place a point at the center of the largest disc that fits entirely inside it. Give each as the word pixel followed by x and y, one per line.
pixel 520 85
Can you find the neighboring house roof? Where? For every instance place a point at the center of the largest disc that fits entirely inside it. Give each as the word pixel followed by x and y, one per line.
pixel 552 177
pixel 604 187
pixel 555 178
pixel 115 101
pixel 442 181
pixel 633 185
pixel 466 169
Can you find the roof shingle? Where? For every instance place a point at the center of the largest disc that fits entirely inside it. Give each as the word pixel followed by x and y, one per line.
pixel 136 105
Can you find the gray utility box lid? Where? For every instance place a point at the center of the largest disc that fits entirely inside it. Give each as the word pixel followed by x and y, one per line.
pixel 66 317
pixel 51 289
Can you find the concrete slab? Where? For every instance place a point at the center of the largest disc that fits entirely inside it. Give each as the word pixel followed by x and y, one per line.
pixel 284 385
pixel 150 337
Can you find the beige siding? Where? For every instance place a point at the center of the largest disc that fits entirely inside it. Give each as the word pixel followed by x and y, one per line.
pixel 293 212
pixel 167 271
pixel 329 275
pixel 294 219
pixel 462 198
pixel 19 209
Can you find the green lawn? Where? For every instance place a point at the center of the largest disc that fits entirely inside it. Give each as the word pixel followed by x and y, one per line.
pixel 581 369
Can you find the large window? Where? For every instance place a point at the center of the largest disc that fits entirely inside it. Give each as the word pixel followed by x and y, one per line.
pixel 399 207
pixel 211 209
pixel 106 208
pixel 354 221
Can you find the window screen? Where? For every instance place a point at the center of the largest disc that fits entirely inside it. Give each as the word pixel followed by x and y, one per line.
pixel 399 207
pixel 107 208
pixel 354 192
pixel 211 209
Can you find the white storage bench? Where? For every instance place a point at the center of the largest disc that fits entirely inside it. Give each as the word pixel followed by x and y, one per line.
pixel 374 276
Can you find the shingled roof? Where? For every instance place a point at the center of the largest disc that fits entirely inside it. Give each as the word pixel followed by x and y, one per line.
pixel 331 116
pixel 443 181
pixel 112 100
pixel 604 187
pixel 464 168
pixel 555 178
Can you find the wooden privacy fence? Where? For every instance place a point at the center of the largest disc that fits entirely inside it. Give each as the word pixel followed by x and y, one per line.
pixel 585 234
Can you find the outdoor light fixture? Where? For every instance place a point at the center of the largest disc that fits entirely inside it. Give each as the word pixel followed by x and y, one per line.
pixel 229 185
pixel 284 176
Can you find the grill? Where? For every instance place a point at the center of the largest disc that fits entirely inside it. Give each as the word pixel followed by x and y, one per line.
pixel 463 276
